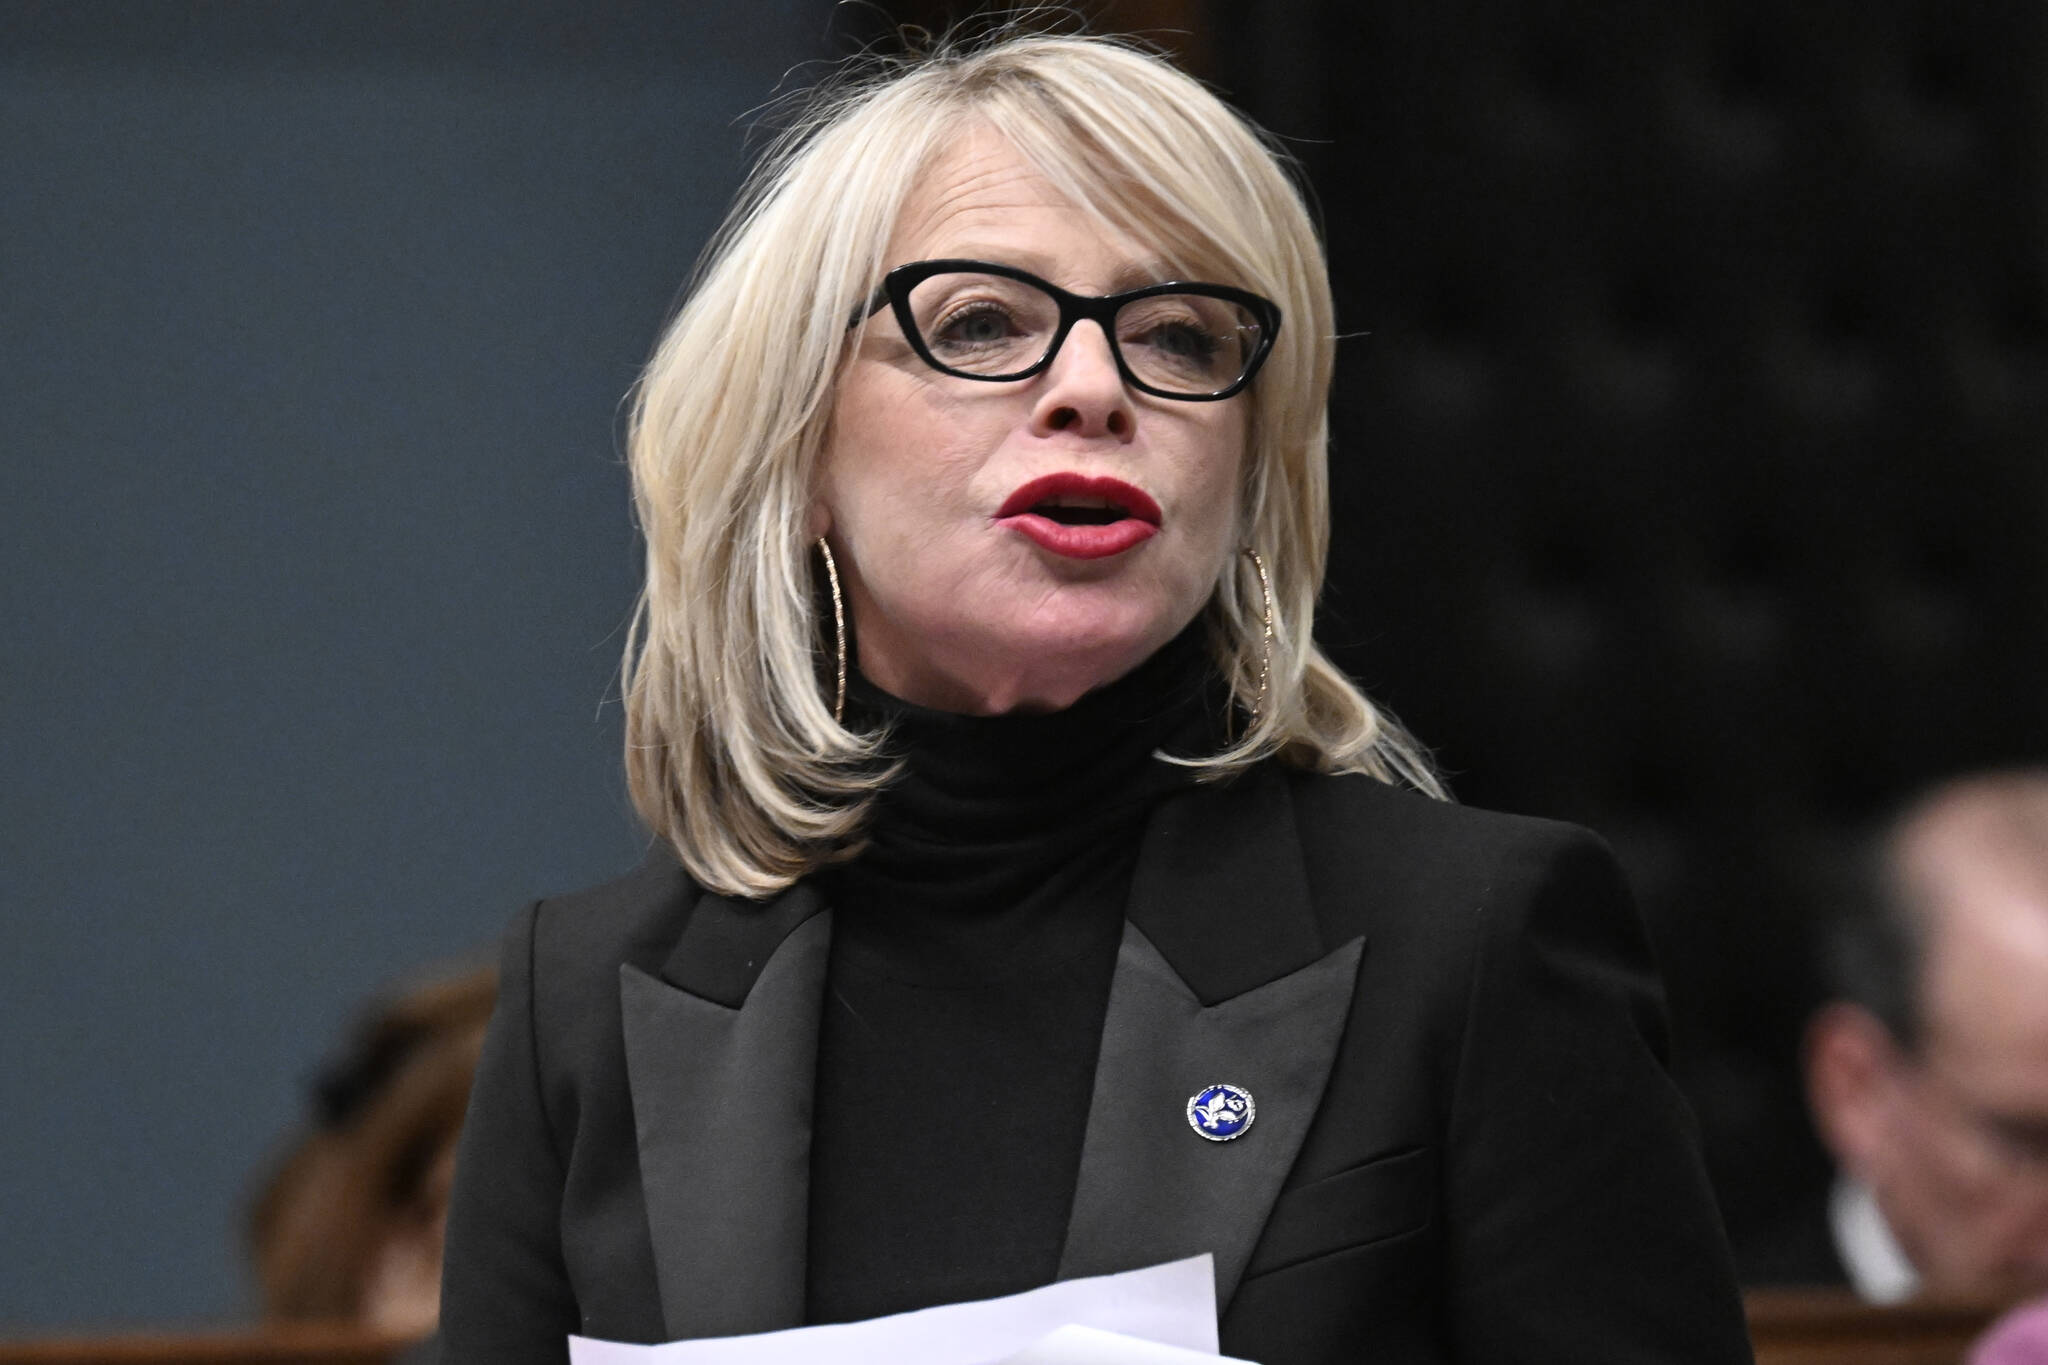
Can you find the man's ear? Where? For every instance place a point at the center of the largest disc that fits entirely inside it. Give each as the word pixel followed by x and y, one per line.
pixel 1851 1064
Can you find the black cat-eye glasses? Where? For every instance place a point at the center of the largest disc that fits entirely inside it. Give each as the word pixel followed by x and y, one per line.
pixel 978 320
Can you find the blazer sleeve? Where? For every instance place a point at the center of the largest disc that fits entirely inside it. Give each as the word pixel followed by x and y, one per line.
pixel 1580 1225
pixel 505 1293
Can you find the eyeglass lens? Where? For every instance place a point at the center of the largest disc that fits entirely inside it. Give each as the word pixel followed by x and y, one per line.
pixel 993 326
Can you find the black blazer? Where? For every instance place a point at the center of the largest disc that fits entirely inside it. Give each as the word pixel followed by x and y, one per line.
pixel 1466 1145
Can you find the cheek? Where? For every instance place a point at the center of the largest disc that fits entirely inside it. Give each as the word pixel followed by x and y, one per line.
pixel 870 453
pixel 898 487
pixel 1219 480
pixel 1946 1157
pixel 854 440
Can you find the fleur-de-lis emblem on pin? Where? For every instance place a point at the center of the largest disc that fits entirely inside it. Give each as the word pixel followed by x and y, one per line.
pixel 1221 1112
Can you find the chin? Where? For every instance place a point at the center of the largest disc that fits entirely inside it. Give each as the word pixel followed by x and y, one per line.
pixel 1019 652
pixel 1051 665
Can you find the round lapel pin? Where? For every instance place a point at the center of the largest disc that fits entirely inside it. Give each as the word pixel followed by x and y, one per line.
pixel 1221 1112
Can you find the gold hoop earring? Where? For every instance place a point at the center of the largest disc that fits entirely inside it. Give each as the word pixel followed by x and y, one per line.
pixel 1266 625
pixel 838 631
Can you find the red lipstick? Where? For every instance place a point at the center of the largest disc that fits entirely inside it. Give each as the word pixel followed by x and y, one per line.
pixel 1081 517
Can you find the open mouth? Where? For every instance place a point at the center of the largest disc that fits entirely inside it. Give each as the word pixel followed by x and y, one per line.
pixel 1079 513
pixel 1069 499
pixel 1079 517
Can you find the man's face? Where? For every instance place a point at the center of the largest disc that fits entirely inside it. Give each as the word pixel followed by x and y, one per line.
pixel 1957 1154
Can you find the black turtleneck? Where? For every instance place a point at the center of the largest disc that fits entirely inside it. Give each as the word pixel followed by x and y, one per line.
pixel 972 948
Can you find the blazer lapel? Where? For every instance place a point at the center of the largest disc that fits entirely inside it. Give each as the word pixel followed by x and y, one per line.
pixel 1222 977
pixel 720 1051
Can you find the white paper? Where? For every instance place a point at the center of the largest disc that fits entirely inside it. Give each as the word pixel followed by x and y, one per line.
pixel 1072 1345
pixel 1168 1305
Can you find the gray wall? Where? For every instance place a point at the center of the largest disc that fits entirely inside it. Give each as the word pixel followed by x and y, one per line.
pixel 314 550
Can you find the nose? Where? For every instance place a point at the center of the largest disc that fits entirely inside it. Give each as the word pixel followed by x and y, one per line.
pixel 1082 392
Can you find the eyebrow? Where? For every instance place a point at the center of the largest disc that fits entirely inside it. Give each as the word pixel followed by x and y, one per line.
pixel 1132 275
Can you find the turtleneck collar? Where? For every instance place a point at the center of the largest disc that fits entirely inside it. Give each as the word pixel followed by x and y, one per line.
pixel 995 820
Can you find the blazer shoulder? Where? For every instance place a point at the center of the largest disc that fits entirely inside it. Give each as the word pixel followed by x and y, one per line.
pixel 1351 814
pixel 1389 851
pixel 578 940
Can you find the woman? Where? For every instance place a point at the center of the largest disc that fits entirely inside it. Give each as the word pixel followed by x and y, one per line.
pixel 1033 899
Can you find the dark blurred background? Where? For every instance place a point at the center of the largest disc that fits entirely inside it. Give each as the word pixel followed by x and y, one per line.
pixel 1689 483
pixel 315 319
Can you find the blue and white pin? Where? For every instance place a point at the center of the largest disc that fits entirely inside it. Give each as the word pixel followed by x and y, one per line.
pixel 1221 1112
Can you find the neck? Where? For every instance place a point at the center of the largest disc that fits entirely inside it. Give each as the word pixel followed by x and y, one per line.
pixel 988 808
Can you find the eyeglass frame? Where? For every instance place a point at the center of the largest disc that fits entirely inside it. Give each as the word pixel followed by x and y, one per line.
pixel 1101 310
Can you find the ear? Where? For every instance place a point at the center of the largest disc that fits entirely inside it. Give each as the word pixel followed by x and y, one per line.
pixel 817 521
pixel 1851 1068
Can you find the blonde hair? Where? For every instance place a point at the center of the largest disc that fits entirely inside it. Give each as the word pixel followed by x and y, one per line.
pixel 732 751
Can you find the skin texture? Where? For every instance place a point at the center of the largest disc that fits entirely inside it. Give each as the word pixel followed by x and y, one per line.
pixel 1951 1135
pixel 951 610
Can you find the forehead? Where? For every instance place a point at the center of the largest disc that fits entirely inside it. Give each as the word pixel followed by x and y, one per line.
pixel 1986 988
pixel 980 197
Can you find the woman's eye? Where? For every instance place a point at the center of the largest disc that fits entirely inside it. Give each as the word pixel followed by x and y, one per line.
pixel 979 325
pixel 1183 341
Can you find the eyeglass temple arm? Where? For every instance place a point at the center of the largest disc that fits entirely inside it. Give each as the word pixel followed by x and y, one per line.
pixel 862 312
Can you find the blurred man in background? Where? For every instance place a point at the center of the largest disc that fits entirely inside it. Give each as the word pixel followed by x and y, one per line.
pixel 1928 1073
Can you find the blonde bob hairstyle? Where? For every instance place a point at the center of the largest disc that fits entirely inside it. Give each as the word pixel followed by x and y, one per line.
pixel 732 752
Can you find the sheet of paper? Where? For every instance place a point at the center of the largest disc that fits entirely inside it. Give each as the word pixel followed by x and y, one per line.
pixel 1072 1345
pixel 1169 1305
